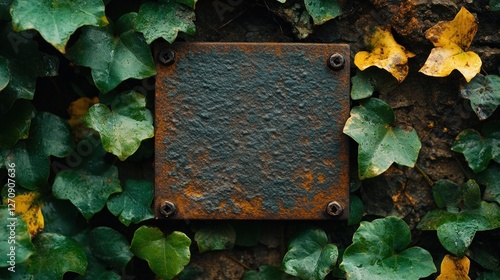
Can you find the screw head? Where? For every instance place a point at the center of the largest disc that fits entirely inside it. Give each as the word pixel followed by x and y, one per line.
pixel 166 56
pixel 334 209
pixel 336 61
pixel 167 209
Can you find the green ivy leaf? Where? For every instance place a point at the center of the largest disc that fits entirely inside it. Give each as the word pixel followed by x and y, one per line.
pixel 124 126
pixel 495 5
pixel 323 10
pixel 62 217
pixel 189 3
pixel 89 185
pixel 367 81
pixel 491 179
pixel 380 143
pixel 133 205
pixel 49 135
pixel 96 270
pixel 4 9
pixel 479 150
pixel 465 214
pixel 114 53
pixel 20 273
pixel 309 255
pixel 110 247
pixel 164 19
pixel 19 116
pixel 15 234
pixel 57 20
pixel 166 255
pixel 379 252
pixel 215 237
pixel 267 272
pixel 55 255
pixel 356 210
pixel 362 86
pixel 4 73
pixel 484 94
pixel 25 64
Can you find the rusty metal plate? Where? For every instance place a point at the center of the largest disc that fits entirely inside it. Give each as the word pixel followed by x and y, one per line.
pixel 251 131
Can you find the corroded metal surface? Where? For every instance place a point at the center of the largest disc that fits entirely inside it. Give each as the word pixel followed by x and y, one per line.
pixel 251 131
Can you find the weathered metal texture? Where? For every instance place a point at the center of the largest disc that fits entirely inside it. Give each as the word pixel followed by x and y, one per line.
pixel 251 131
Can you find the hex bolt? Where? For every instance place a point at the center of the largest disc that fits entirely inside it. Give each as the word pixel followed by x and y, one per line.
pixel 167 56
pixel 336 61
pixel 334 209
pixel 167 209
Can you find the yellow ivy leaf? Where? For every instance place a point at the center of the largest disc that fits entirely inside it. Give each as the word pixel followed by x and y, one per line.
pixel 453 268
pixel 451 40
pixel 78 109
pixel 384 53
pixel 29 206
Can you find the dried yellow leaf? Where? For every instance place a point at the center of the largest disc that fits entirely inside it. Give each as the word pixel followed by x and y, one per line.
pixel 384 53
pixel 453 268
pixel 78 109
pixel 452 40
pixel 29 206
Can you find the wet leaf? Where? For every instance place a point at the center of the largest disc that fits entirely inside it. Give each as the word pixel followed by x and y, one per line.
pixel 322 11
pixel 495 6
pixel 380 143
pixel 20 273
pixel 166 255
pixel 367 81
pixel 215 237
pixel 57 20
pixel 164 19
pixel 25 63
pixel 4 73
pixel 4 9
pixel 19 116
pixel 89 185
pixel 14 233
pixel 62 217
pixel 485 253
pixel 451 40
pixel 379 252
pixel 491 179
pixel 29 206
pixel 484 94
pixel 267 272
pixel 110 247
pixel 309 255
pixel 124 126
pixel 385 53
pixel 479 150
pixel 465 214
pixel 189 3
pixel 49 135
pixel 453 268
pixel 114 53
pixel 133 205
pixel 55 255
pixel 356 210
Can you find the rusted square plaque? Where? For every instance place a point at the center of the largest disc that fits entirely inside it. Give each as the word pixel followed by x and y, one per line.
pixel 251 131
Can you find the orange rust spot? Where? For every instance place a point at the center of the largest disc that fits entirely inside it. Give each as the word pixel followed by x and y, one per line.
pixel 308 180
pixel 329 161
pixel 321 178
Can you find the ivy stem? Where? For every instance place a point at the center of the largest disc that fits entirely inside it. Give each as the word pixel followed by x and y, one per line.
pixel 426 177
